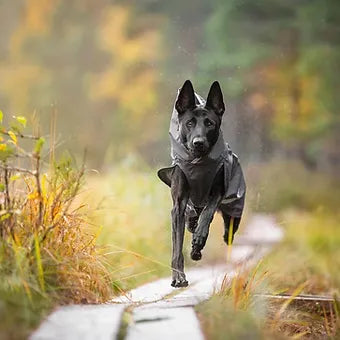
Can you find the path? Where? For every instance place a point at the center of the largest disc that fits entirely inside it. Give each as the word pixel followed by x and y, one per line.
pixel 156 310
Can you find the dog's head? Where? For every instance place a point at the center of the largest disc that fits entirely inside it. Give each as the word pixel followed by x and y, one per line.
pixel 199 125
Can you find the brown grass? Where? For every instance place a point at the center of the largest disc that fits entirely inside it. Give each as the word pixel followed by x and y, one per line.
pixel 48 251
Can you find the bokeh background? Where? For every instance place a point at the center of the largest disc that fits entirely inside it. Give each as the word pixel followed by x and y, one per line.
pixel 103 76
pixel 112 68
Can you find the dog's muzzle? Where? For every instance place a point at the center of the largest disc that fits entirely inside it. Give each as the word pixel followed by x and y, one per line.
pixel 199 146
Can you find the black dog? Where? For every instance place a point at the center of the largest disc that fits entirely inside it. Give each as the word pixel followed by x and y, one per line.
pixel 205 175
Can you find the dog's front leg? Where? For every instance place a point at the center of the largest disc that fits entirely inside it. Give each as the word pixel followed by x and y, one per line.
pixel 180 196
pixel 202 231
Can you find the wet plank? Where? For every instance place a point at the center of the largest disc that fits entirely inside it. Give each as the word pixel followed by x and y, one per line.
pixel 167 324
pixel 81 322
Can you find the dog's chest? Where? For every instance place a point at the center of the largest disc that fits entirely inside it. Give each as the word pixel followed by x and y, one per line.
pixel 200 177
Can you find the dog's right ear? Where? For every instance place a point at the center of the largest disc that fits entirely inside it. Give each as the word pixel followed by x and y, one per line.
pixel 186 98
pixel 215 99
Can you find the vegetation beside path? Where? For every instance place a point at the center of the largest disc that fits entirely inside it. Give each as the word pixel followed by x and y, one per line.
pixel 306 262
pixel 48 250
pixel 68 236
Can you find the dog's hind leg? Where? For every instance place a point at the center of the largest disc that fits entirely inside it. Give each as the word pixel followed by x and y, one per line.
pixel 180 196
pixel 202 231
pixel 230 226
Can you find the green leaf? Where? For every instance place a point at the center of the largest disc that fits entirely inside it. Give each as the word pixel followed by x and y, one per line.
pixel 14 177
pixel 6 151
pixel 22 120
pixel 39 144
pixel 16 127
pixel 4 217
pixel 2 187
pixel 39 263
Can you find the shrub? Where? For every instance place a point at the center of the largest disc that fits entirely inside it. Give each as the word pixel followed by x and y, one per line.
pixel 48 253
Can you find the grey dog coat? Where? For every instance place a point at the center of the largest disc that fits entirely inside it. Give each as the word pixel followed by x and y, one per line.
pixel 200 172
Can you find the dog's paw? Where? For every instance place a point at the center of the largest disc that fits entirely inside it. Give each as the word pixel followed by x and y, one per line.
pixel 178 283
pixel 196 255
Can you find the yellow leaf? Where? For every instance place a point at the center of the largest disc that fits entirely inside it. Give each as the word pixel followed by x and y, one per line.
pixel 21 119
pixel 44 185
pixel 33 195
pixel 13 136
pixel 14 177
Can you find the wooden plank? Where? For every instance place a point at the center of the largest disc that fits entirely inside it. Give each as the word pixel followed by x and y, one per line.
pixel 315 298
pixel 81 322
pixel 166 324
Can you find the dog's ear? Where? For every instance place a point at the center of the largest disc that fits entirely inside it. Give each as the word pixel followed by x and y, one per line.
pixel 186 98
pixel 215 99
pixel 165 175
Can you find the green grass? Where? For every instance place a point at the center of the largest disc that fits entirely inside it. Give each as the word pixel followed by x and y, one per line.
pixel 307 261
pixel 119 236
pixel 280 185
pixel 50 262
pixel 220 320
pixel 48 251
pixel 18 314
pixel 133 210
pixel 309 254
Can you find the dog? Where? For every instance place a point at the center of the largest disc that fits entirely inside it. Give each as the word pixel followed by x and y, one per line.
pixel 205 175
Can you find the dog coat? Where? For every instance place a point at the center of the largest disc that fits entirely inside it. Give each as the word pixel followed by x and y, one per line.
pixel 200 172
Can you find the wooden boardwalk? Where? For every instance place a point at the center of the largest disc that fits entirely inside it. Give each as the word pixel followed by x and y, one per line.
pixel 156 310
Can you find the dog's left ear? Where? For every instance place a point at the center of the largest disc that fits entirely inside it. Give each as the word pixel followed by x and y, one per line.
pixel 215 99
pixel 186 98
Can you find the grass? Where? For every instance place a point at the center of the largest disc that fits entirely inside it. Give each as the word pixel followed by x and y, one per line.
pixel 53 263
pixel 280 185
pixel 133 208
pixel 115 236
pixel 48 251
pixel 63 241
pixel 306 262
pixel 312 245
pixel 234 312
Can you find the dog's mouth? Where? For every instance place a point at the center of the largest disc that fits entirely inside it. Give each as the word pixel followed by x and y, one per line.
pixel 199 151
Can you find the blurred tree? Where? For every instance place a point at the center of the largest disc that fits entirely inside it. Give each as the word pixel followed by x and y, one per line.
pixel 277 60
pixel 95 60
pixel 113 68
pixel 128 84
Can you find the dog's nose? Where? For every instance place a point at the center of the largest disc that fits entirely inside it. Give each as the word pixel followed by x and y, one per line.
pixel 198 142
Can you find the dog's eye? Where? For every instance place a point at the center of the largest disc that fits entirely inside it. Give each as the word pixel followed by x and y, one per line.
pixel 208 123
pixel 190 123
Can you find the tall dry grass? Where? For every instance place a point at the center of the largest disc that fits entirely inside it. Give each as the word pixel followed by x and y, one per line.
pixel 48 251
pixel 306 262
